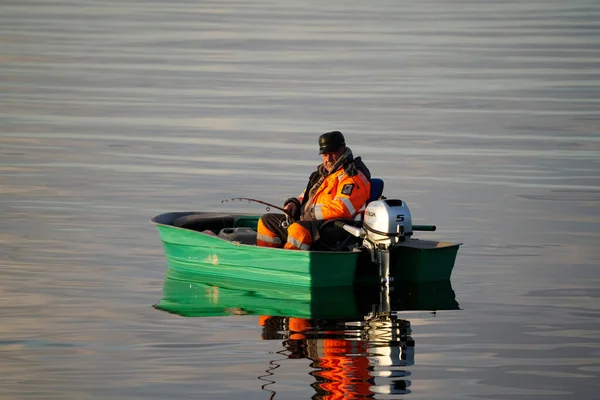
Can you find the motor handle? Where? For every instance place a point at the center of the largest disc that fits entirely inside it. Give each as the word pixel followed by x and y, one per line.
pixel 426 228
pixel 353 230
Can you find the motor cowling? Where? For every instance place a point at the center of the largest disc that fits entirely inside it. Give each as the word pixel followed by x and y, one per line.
pixel 387 221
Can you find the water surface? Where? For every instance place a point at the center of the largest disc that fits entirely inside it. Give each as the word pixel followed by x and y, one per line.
pixel 483 117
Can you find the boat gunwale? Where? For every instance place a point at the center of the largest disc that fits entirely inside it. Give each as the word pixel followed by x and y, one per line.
pixel 238 244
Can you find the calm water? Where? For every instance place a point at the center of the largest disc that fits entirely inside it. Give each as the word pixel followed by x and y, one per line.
pixel 483 116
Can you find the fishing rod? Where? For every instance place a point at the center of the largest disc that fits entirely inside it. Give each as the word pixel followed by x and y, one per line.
pixel 269 205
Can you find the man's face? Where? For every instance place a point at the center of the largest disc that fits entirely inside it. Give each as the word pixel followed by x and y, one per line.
pixel 330 158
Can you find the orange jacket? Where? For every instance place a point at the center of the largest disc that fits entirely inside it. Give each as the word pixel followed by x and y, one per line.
pixel 339 196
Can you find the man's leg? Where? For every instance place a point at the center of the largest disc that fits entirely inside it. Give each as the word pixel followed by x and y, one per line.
pixel 300 236
pixel 270 231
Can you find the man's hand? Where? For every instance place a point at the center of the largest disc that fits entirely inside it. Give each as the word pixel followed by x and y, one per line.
pixel 291 208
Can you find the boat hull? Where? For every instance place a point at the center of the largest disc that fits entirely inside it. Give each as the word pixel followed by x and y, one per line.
pixel 424 260
pixel 199 252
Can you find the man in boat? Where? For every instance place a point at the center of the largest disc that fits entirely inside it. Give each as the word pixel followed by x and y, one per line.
pixel 338 189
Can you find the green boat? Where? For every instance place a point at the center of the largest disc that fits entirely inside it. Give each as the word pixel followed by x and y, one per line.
pixel 381 248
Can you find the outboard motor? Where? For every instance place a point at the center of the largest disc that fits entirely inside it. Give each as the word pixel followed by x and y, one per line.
pixel 386 223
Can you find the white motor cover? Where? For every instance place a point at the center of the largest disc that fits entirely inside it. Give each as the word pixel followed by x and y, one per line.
pixel 389 216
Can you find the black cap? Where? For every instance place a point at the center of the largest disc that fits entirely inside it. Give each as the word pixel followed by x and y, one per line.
pixel 331 141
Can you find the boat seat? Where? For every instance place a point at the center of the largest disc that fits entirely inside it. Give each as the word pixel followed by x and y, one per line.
pixel 205 221
pixel 376 189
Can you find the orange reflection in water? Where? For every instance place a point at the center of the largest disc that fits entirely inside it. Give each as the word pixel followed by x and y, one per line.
pixel 352 359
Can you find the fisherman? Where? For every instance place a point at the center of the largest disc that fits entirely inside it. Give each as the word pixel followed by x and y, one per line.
pixel 338 189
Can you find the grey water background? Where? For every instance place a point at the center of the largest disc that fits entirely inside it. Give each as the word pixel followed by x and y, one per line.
pixel 483 116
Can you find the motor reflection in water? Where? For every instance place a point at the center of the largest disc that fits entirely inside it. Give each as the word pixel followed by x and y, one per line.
pixel 358 345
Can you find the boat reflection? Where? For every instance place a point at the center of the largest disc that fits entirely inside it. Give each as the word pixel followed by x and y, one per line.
pixel 358 344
